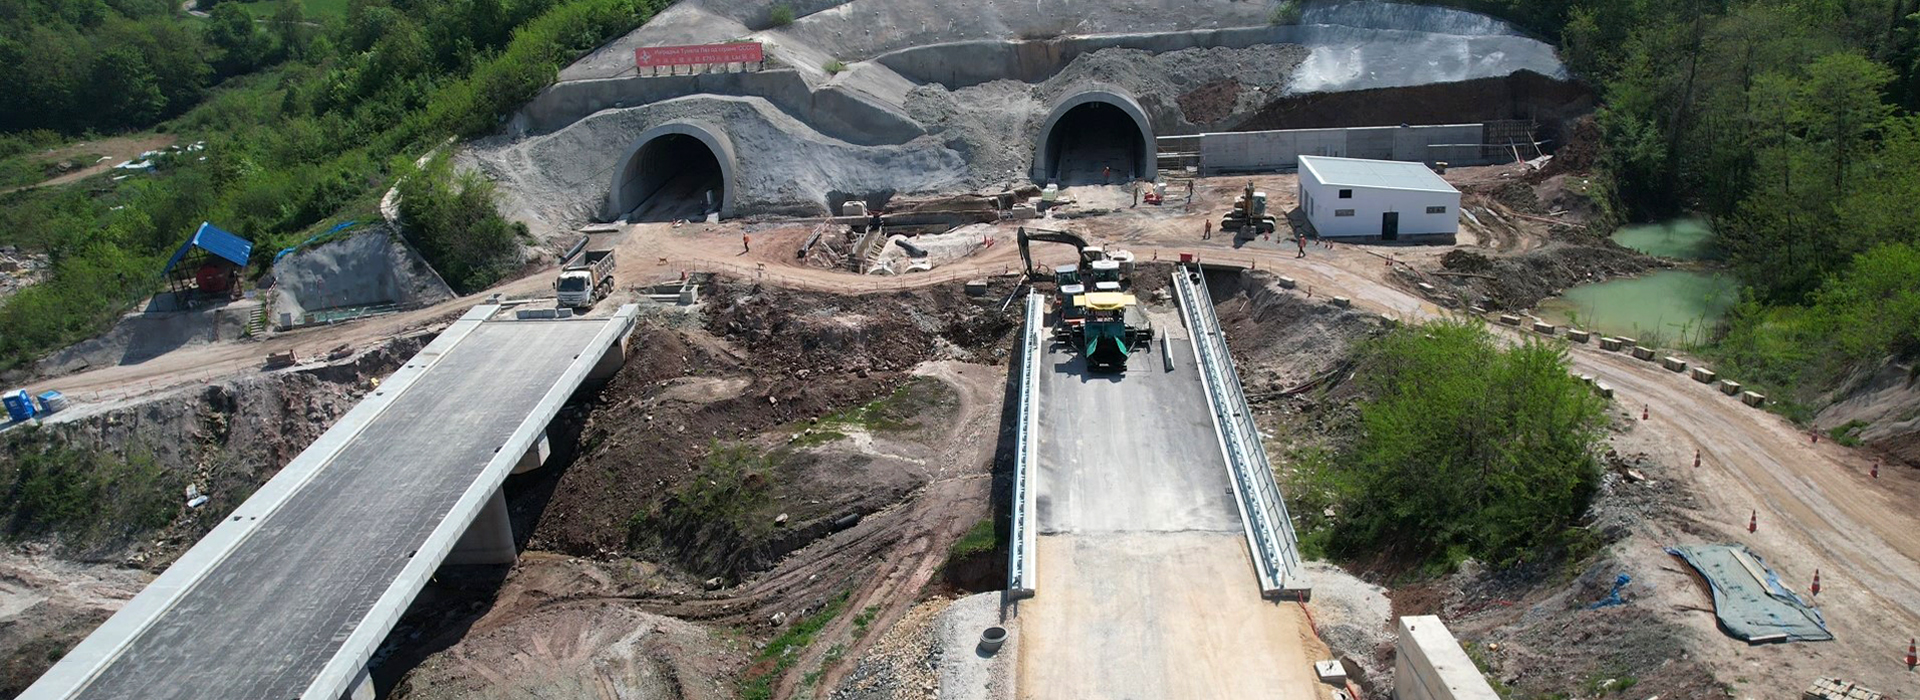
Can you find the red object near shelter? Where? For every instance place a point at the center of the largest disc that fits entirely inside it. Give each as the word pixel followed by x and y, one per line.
pixel 698 54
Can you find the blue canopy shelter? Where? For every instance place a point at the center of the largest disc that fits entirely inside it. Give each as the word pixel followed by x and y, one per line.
pixel 208 265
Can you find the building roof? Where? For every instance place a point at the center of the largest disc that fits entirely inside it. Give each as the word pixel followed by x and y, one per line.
pixel 1376 174
pixel 213 240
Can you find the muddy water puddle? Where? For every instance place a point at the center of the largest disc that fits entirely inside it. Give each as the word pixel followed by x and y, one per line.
pixel 1664 307
pixel 1680 239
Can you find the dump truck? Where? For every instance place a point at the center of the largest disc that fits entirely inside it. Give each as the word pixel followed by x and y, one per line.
pixel 1249 216
pixel 585 279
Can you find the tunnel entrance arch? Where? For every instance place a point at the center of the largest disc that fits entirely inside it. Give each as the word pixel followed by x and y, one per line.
pixel 670 172
pixel 1089 133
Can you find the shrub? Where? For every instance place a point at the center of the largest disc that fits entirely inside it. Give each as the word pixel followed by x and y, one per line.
pixel 834 66
pixel 1287 12
pixel 1467 449
pixel 780 15
pixel 452 221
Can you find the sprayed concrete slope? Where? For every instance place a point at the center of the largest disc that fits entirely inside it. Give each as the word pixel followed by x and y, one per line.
pixel 943 97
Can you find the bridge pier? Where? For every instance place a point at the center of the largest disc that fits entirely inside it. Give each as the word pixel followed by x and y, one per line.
pixel 489 540
pixel 362 688
pixel 611 362
pixel 536 455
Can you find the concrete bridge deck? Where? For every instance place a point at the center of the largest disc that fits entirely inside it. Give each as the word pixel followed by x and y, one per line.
pixel 290 596
pixel 1145 584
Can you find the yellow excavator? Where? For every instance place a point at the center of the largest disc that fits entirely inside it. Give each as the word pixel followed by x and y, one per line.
pixel 1249 216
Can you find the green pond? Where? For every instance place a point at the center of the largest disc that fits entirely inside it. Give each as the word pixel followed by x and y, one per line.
pixel 1680 239
pixel 1668 307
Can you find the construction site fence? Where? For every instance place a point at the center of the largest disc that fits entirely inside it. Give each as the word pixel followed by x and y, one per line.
pixel 1021 538
pixel 1269 528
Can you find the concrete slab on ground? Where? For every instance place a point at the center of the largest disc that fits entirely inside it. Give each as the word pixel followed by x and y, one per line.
pixel 1160 615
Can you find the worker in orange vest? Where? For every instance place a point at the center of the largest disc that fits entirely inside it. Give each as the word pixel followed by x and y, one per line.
pixel 745 246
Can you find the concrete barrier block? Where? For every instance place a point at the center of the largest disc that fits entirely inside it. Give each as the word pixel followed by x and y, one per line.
pixel 1478 309
pixel 1342 302
pixel 1610 344
pixel 1627 342
pixel 1587 378
pixel 1673 364
pixel 1643 353
pixel 1577 335
pixel 1543 328
pixel 1427 288
pixel 1288 283
pixel 1603 389
pixel 976 288
pixel 1752 399
pixel 1703 375
pixel 1510 319
pixel 1729 387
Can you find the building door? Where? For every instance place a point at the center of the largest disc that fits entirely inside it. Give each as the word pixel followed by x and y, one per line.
pixel 1390 226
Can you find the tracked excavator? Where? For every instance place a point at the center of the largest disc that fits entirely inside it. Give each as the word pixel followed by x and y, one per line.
pixel 1096 314
pixel 1249 216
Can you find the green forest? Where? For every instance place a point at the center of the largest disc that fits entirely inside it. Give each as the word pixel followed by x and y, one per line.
pixel 309 112
pixel 1791 125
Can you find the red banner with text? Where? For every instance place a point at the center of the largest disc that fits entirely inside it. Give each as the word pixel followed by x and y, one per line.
pixel 737 52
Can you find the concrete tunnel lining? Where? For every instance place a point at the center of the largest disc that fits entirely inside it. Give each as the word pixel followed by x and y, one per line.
pixel 624 194
pixel 1045 165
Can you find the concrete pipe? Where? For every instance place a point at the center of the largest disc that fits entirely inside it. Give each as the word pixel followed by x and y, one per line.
pixel 992 638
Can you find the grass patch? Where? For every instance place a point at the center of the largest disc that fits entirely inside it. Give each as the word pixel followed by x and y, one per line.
pixel 812 437
pixel 897 412
pixel 978 540
pixel 781 653
pixel 834 66
pixel 863 619
pixel 1849 433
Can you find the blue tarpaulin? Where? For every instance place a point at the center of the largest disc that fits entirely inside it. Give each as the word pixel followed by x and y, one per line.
pixel 1748 597
pixel 210 238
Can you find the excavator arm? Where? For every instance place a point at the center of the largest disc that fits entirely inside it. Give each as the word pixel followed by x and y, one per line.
pixel 1045 236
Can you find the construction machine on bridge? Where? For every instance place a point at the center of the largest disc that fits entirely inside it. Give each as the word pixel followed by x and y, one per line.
pixel 1111 326
pixel 1249 216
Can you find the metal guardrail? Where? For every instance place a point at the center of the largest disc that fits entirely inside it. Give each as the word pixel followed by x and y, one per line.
pixel 1263 511
pixel 1020 542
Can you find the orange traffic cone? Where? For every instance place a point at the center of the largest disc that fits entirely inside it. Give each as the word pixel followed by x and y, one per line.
pixel 1644 410
pixel 1912 659
pixel 1753 522
pixel 1816 582
pixel 1876 469
pixel 1696 459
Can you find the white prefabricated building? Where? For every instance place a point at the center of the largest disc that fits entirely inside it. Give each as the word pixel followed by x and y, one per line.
pixel 1378 200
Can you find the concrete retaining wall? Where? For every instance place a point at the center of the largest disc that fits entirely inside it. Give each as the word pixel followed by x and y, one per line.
pixel 1250 151
pixel 1430 665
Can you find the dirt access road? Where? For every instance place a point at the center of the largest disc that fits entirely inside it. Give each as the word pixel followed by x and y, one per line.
pixel 101 156
pixel 1816 505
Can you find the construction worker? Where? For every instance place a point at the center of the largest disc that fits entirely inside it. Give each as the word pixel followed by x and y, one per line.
pixel 1106 175
pixel 1206 232
pixel 1301 239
